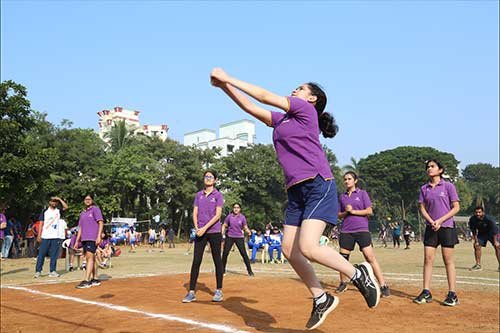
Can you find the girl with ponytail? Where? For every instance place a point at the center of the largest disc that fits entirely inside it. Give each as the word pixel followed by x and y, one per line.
pixel 311 189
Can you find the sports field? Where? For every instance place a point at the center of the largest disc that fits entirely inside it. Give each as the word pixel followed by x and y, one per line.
pixel 143 292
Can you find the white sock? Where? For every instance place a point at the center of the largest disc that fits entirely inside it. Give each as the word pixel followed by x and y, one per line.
pixel 357 274
pixel 320 299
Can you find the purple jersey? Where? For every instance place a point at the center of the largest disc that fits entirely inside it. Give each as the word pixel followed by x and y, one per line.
pixel 206 209
pixel 2 220
pixel 297 145
pixel 437 201
pixel 359 200
pixel 236 223
pixel 72 242
pixel 103 243
pixel 88 223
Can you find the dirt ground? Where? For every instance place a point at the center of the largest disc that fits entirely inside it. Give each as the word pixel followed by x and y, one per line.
pixel 259 304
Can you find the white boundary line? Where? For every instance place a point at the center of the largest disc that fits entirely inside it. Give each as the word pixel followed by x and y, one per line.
pixel 215 327
pixel 397 277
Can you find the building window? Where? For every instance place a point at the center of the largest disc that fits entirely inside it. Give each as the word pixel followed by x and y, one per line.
pixel 230 148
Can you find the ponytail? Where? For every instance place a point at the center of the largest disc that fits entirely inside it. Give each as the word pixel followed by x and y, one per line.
pixel 327 125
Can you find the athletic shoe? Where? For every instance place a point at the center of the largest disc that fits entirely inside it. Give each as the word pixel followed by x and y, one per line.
pixel 386 292
pixel 341 288
pixel 37 275
pixel 367 284
pixel 321 311
pixel 95 282
pixel 218 297
pixel 424 297
pixel 84 284
pixel 476 267
pixel 190 297
pixel 54 274
pixel 251 274
pixel 83 267
pixel 71 268
pixel 451 299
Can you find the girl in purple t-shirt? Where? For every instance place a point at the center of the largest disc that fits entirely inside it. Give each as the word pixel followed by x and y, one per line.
pixel 311 189
pixel 207 210
pixel 438 202
pixel 90 227
pixel 355 207
pixel 235 223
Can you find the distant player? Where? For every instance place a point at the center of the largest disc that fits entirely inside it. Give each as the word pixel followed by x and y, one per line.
pixel 484 230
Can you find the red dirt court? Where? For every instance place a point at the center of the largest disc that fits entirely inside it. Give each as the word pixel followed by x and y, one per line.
pixel 259 304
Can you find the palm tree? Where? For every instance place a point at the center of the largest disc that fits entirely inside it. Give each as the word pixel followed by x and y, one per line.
pixel 119 135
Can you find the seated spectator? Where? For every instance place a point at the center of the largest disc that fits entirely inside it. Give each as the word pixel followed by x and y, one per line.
pixel 275 239
pixel 256 242
pixel 103 251
pixel 73 252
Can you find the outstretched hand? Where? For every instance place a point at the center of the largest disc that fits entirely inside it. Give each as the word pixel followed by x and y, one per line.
pixel 218 74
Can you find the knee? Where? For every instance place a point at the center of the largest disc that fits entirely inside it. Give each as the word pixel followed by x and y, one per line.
pixel 307 251
pixel 428 259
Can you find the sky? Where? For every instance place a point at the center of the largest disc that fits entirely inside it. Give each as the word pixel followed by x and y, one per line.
pixel 397 73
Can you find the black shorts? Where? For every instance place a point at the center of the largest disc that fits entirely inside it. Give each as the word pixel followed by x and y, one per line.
pixel 484 239
pixel 89 246
pixel 446 237
pixel 347 241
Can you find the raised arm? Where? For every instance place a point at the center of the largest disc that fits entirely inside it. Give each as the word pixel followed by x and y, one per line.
pixel 247 105
pixel 260 94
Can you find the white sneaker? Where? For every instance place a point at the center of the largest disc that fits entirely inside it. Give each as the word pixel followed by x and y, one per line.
pixel 37 275
pixel 54 274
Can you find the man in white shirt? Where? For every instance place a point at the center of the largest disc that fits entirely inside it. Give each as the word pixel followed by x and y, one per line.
pixel 50 236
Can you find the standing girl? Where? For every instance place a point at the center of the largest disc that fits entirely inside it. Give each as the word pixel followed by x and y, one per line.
pixel 207 211
pixel 439 202
pixel 355 207
pixel 236 223
pixel 312 194
pixel 90 227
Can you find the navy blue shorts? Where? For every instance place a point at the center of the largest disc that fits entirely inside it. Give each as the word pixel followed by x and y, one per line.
pixel 312 199
pixel 89 246
pixel 484 239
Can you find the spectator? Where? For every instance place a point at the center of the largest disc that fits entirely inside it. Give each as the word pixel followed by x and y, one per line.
pixel 396 233
pixel 275 240
pixel 382 234
pixel 171 236
pixel 30 238
pixel 8 237
pixel 75 251
pixel 151 239
pixel 162 239
pixel 50 237
pixel 192 237
pixel 256 242
pixel 407 234
pixel 3 225
pixel 103 251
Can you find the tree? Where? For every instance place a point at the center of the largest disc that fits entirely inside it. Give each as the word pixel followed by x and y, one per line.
pixel 120 135
pixel 253 177
pixel 483 180
pixel 26 159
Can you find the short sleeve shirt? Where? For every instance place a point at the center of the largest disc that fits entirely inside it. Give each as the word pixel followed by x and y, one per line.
pixel 359 200
pixel 437 201
pixel 88 223
pixel 297 145
pixel 207 205
pixel 235 224
pixel 51 219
